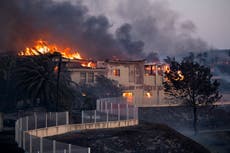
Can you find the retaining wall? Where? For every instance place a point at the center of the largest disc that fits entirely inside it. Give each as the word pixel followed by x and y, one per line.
pixel 56 130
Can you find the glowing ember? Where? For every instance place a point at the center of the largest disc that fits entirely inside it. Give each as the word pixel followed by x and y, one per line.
pixel 181 76
pixel 42 47
pixel 56 69
pixel 148 94
pixel 89 64
pixel 166 69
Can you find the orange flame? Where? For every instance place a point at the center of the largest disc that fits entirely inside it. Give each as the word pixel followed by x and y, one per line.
pixel 42 47
pixel 128 96
pixel 180 76
pixel 148 94
pixel 89 64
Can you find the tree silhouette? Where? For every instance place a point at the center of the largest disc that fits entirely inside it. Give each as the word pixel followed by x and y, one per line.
pixel 192 84
pixel 36 78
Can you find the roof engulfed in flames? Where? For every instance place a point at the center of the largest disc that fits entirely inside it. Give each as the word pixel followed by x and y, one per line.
pixel 42 47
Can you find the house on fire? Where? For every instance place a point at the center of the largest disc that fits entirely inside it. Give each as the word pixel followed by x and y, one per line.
pixel 142 82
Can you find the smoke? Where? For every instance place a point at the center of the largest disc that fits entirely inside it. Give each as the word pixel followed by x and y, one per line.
pixel 133 48
pixel 155 23
pixel 126 32
pixel 62 23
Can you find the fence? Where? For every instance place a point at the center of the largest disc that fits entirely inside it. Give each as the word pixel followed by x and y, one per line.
pixel 31 131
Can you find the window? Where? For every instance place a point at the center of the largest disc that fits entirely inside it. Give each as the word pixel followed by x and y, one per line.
pixel 128 96
pixel 116 72
pixel 150 70
pixel 82 77
pixel 131 76
pixel 148 94
pixel 90 77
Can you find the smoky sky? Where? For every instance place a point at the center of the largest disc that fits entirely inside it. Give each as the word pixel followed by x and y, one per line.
pixel 154 22
pixel 24 21
pixel 144 28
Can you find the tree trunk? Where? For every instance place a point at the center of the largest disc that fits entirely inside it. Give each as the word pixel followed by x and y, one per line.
pixel 195 119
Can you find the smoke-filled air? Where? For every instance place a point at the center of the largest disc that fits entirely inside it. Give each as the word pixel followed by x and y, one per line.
pixel 143 28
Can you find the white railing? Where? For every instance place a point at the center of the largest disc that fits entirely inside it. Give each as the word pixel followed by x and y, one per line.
pixel 31 131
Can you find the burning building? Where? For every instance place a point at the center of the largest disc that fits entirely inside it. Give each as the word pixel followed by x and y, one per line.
pixel 84 71
pixel 142 82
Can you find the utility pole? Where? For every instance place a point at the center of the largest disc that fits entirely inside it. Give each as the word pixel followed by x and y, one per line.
pixel 58 78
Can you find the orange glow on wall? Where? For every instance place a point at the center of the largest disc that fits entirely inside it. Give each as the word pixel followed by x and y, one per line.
pixel 128 96
pixel 148 94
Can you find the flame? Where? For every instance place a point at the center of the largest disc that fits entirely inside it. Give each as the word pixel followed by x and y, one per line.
pixel 56 69
pixel 89 64
pixel 181 76
pixel 128 96
pixel 166 69
pixel 42 47
pixel 148 94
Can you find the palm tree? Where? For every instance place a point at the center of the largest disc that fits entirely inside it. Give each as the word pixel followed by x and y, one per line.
pixel 37 79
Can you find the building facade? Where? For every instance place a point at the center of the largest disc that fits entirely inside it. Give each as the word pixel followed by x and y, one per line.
pixel 142 82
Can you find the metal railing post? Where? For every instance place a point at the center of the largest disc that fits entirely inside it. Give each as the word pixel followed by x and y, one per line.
pixel 41 145
pixel 24 140
pixel 111 108
pixel 107 116
pixel 69 148
pixel 54 146
pixel 31 147
pixel 82 117
pixel 67 117
pixel 20 137
pixel 35 120
pixel 46 120
pixel 56 118
pixel 106 108
pixel 101 105
pixel 95 116
pixel 97 105
pixel 16 131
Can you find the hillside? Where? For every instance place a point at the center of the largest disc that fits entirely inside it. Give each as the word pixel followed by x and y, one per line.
pixel 144 138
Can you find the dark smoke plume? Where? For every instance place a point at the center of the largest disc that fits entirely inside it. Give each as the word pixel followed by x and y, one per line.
pixel 133 48
pixel 160 27
pixel 62 23
pixel 155 23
